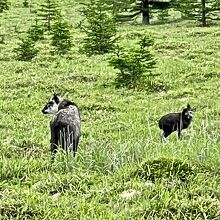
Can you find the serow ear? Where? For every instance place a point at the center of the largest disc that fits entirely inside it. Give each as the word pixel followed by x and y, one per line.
pixel 56 97
pixel 188 106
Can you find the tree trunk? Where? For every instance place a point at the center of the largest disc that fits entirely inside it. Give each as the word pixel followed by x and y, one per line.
pixel 145 12
pixel 203 13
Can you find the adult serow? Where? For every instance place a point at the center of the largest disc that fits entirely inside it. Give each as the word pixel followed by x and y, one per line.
pixel 176 121
pixel 65 125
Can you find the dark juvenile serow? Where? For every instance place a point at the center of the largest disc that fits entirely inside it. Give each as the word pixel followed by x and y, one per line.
pixel 65 125
pixel 176 121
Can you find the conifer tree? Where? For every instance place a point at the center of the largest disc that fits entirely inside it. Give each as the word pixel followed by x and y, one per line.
pixel 200 10
pixel 134 64
pixel 26 49
pixel 36 32
pixel 99 27
pixel 162 15
pixel 145 8
pixel 47 13
pixel 61 36
pixel 48 22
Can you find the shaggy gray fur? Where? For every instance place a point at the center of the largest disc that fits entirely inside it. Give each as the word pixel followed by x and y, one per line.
pixel 65 126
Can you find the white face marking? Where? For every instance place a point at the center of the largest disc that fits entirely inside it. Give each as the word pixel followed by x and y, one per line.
pixel 51 107
pixel 189 114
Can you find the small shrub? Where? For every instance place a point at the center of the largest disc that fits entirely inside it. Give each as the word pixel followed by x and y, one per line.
pixel 164 168
pixel 134 64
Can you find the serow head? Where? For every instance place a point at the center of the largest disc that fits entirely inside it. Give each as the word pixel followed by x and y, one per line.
pixel 187 112
pixel 51 106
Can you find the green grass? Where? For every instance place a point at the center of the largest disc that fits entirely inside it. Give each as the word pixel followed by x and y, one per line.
pixel 120 135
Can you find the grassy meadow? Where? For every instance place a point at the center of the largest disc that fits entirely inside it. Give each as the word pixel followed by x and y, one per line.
pixel 122 170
